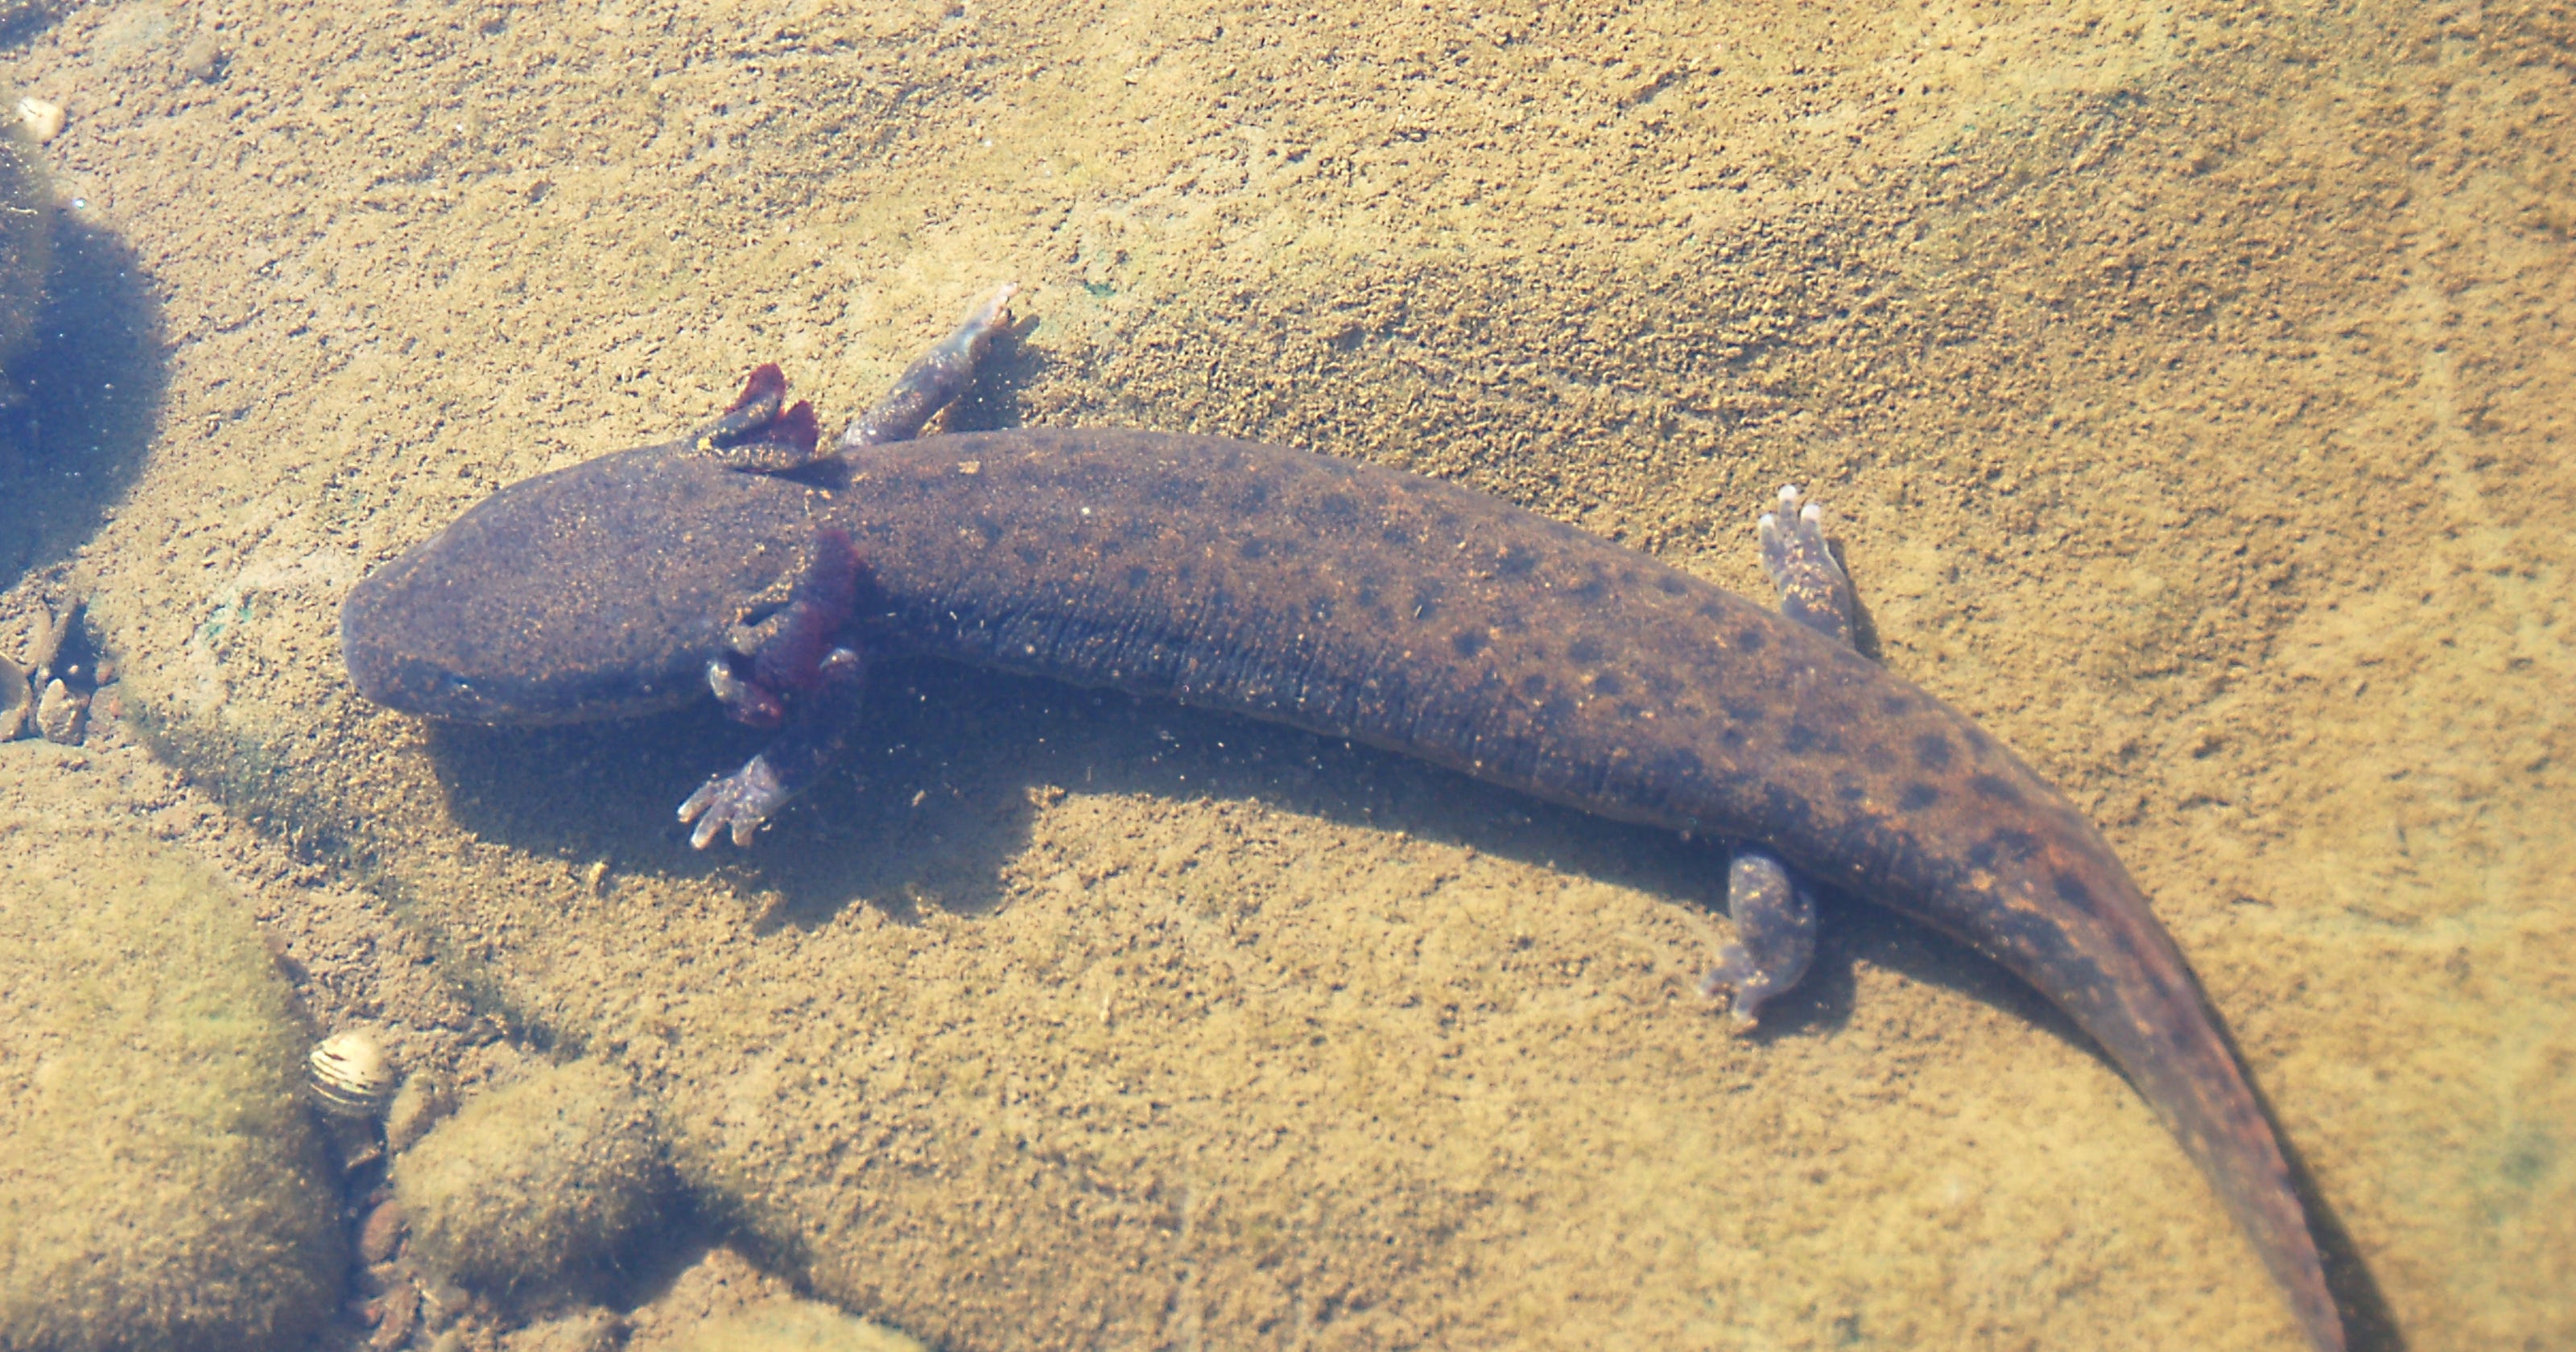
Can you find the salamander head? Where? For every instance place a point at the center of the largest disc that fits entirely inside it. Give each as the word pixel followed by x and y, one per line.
pixel 403 653
pixel 598 591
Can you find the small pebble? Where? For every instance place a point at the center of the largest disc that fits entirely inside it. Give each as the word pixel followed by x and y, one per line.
pixel 442 1303
pixel 61 714
pixel 46 643
pixel 395 1314
pixel 202 60
pixel 43 120
pixel 380 1236
pixel 419 1105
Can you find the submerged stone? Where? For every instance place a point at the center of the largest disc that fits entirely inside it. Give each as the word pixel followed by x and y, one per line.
pixel 538 1187
pixel 160 1181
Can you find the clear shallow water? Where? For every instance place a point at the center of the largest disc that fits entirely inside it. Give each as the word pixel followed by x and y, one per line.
pixel 2185 391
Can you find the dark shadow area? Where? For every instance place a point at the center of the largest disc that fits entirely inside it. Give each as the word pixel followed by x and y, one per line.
pixel 20 23
pixel 1864 621
pixel 947 761
pixel 82 402
pixel 2369 1324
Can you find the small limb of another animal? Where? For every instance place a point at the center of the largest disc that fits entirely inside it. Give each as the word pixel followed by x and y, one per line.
pixel 1775 926
pixel 1814 590
pixel 934 382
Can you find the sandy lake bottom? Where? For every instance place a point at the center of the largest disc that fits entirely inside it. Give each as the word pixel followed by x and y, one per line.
pixel 2190 390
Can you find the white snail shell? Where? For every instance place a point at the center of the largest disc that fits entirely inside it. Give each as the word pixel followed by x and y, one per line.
pixel 351 1076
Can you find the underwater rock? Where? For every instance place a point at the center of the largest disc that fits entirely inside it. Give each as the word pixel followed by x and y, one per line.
pixel 26 237
pixel 534 1188
pixel 161 1185
pixel 794 1326
pixel 17 699
pixel 419 1105
pixel 62 714
pixel 591 1330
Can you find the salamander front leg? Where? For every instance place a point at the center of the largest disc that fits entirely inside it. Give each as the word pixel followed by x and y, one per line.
pixel 761 433
pixel 792 670
pixel 1775 917
pixel 810 737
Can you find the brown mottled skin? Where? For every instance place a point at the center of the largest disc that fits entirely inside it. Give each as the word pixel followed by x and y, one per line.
pixel 1354 601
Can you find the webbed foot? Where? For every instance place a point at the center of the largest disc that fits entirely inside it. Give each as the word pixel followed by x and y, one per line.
pixel 735 804
pixel 1775 925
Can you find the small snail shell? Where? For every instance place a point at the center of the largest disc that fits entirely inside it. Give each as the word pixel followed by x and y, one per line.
pixel 351 1075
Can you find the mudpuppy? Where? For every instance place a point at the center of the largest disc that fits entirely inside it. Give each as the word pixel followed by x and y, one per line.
pixel 749 561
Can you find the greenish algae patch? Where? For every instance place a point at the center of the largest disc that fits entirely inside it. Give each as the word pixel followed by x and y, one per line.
pixel 537 1185
pixel 160 1182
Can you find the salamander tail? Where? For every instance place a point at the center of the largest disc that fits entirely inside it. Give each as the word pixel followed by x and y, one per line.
pixel 2114 968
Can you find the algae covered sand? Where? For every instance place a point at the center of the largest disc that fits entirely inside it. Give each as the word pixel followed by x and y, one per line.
pixel 162 1185
pixel 2188 388
pixel 537 1185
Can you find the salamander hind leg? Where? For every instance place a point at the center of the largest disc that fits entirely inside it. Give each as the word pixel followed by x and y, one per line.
pixel 1775 917
pixel 935 380
pixel 1775 925
pixel 1814 590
